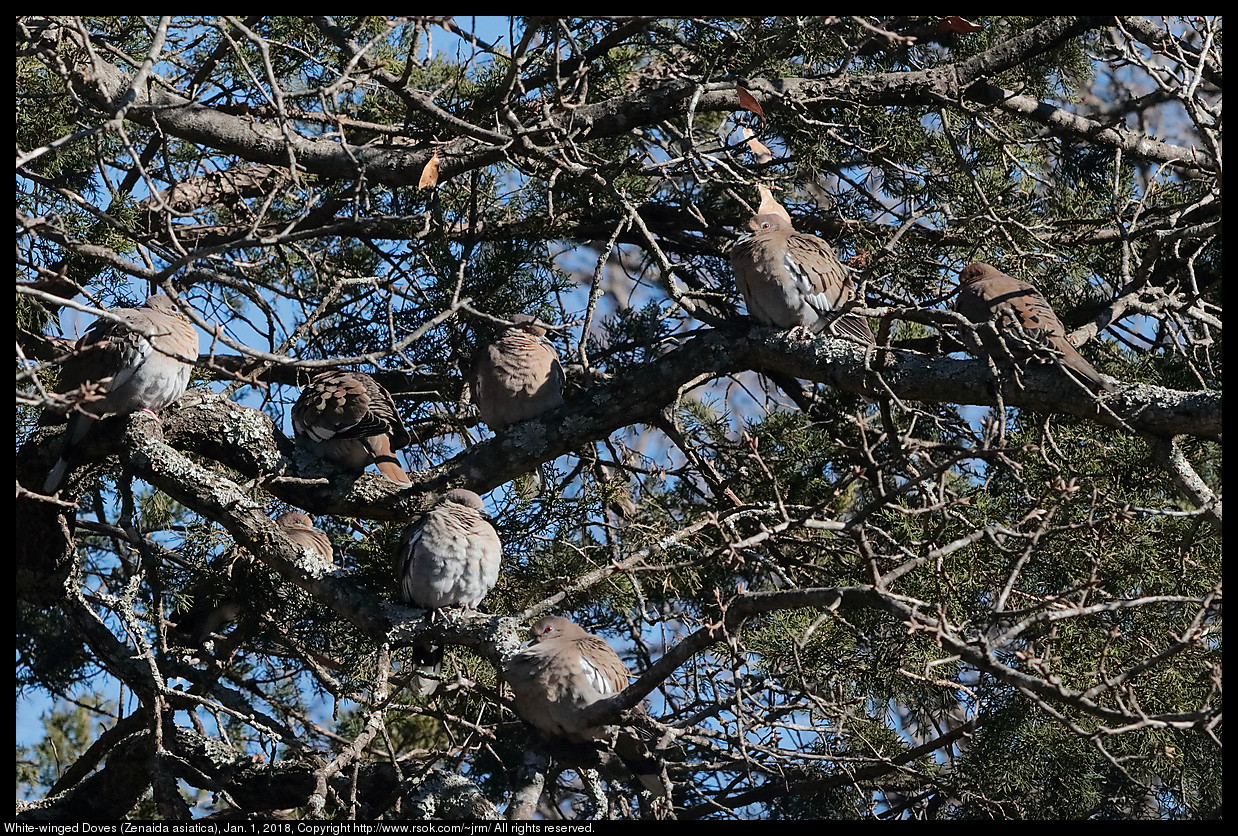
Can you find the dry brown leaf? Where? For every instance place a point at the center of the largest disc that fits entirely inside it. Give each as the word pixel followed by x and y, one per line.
pixel 958 25
pixel 758 149
pixel 748 103
pixel 429 174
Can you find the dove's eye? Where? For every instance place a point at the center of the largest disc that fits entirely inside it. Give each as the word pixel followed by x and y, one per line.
pixel 765 225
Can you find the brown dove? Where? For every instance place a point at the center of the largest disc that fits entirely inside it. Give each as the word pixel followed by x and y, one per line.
pixel 790 279
pixel 448 558
pixel 561 672
pixel 349 419
pixel 518 376
pixel 985 293
pixel 140 363
pixel 209 614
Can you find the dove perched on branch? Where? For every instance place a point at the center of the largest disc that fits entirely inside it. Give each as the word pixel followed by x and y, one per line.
pixel 1023 318
pixel 140 361
pixel 448 558
pixel 349 419
pixel 563 671
pixel 790 279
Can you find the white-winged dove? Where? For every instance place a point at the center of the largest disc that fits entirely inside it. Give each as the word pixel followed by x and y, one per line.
pixel 790 279
pixel 140 363
pixel 299 528
pixel 563 671
pixel 518 376
pixel 448 558
pixel 208 614
pixel 986 294
pixel 349 419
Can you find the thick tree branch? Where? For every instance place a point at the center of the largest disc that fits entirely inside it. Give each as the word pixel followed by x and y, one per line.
pixel 396 166
pixel 246 441
pixel 107 795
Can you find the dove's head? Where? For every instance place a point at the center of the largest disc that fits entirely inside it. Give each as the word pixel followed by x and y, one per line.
pixel 462 496
pixel 555 627
pixel 976 271
pixel 528 323
pixel 763 223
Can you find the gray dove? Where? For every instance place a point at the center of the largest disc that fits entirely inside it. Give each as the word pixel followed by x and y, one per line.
pixel 1023 317
pixel 347 418
pixel 140 363
pixel 564 670
pixel 790 279
pixel 448 558
pixel 518 376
